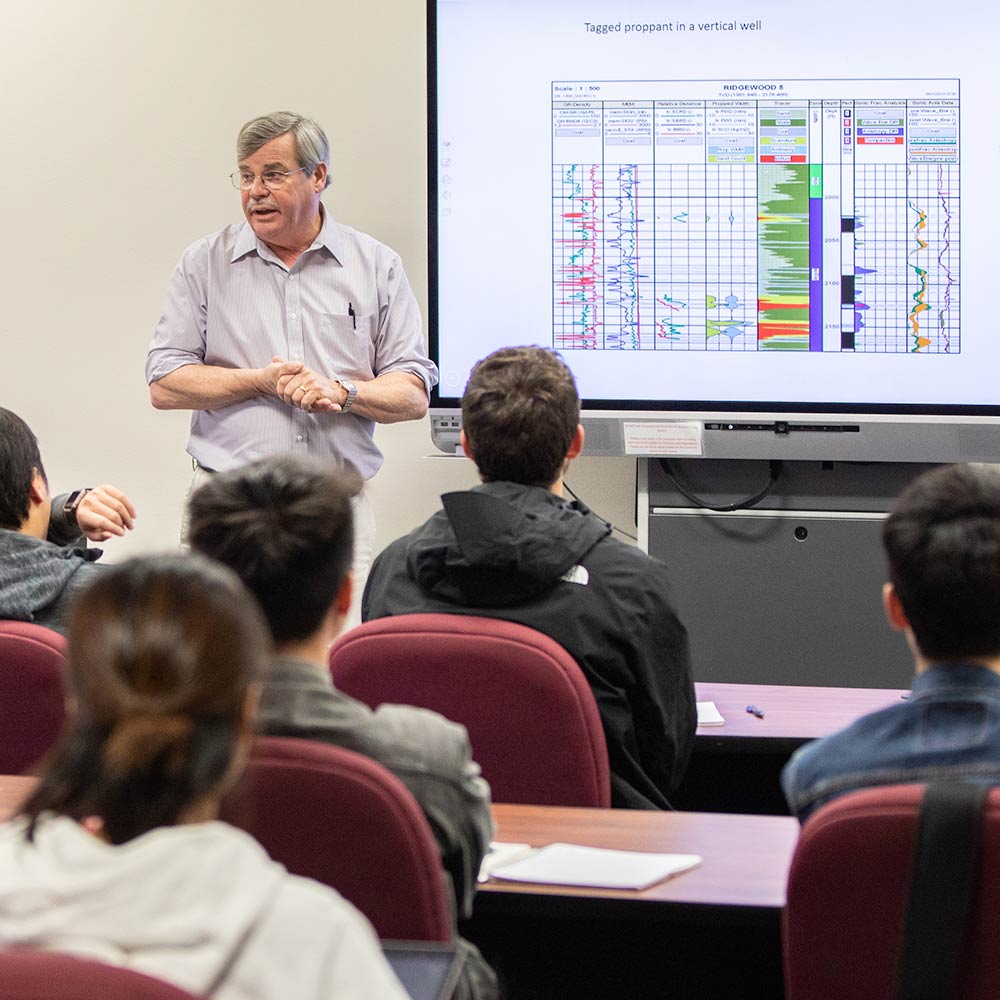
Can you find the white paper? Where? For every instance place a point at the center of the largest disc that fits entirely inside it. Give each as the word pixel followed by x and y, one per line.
pixel 572 864
pixel 709 715
pixel 667 437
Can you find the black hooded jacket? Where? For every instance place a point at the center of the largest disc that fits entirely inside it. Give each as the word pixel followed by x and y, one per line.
pixel 523 554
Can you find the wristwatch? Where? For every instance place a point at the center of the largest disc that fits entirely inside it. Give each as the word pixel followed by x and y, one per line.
pixel 352 392
pixel 69 509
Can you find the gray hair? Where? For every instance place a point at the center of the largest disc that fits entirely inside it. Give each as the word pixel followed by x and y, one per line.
pixel 311 144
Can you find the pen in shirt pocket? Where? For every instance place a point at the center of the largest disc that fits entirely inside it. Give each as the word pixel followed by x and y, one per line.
pixel 352 314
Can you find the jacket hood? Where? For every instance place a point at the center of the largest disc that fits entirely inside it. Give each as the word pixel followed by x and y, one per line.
pixel 175 902
pixel 501 544
pixel 33 573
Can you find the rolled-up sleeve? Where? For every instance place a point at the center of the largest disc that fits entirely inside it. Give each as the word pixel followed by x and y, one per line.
pixel 400 340
pixel 179 338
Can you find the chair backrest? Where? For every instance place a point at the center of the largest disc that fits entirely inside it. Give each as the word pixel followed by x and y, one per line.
pixel 344 820
pixel 31 693
pixel 48 975
pixel 847 894
pixel 530 713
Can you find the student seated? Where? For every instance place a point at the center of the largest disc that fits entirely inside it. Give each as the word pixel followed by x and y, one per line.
pixel 942 541
pixel 44 560
pixel 118 855
pixel 514 549
pixel 284 524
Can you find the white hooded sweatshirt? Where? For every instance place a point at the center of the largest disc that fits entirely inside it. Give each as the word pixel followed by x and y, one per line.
pixel 200 905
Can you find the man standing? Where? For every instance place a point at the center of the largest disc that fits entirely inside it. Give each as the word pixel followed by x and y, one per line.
pixel 289 332
pixel 514 549
pixel 44 561
pixel 942 540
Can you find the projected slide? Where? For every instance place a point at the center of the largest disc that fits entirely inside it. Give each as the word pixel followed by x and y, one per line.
pixel 762 204
pixel 734 216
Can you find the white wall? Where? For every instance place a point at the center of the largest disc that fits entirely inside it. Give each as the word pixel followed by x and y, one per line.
pixel 119 119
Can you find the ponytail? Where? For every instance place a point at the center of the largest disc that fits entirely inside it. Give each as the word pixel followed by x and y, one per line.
pixel 142 773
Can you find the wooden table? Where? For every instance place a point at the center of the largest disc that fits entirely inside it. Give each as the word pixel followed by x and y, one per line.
pixel 792 715
pixel 745 862
pixel 710 932
pixel 736 767
pixel 745 858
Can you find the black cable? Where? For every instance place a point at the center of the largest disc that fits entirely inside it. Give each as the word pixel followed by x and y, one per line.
pixel 604 519
pixel 775 474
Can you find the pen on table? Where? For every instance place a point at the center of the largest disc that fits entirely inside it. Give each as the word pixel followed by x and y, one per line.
pixel 754 710
pixel 352 314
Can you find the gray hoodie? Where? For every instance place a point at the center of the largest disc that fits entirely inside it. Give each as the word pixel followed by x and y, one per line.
pixel 199 905
pixel 38 580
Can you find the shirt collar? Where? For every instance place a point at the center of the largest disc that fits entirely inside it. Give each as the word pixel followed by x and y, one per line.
pixel 329 237
pixel 289 670
pixel 955 675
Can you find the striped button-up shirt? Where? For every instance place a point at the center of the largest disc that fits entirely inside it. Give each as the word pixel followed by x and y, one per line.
pixel 345 309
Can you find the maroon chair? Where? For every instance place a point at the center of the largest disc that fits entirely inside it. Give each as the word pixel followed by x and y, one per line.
pixel 344 820
pixel 530 713
pixel 32 705
pixel 48 975
pixel 847 894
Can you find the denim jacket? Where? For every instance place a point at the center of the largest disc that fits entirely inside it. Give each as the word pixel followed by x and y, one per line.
pixel 949 728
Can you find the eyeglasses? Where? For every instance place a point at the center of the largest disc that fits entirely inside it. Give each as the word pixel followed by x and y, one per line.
pixel 271 179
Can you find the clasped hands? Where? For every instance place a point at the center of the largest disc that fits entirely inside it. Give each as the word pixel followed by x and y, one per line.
pixel 303 388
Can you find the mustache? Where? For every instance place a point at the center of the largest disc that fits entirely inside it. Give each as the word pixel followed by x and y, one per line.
pixel 252 205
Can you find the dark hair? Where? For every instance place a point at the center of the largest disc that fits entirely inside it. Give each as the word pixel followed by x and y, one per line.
pixel 19 458
pixel 520 411
pixel 161 653
pixel 942 540
pixel 285 525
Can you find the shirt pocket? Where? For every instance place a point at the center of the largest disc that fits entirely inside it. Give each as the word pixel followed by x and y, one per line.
pixel 346 346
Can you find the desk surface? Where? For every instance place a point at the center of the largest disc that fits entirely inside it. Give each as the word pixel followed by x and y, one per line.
pixel 745 862
pixel 745 858
pixel 714 931
pixel 792 715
